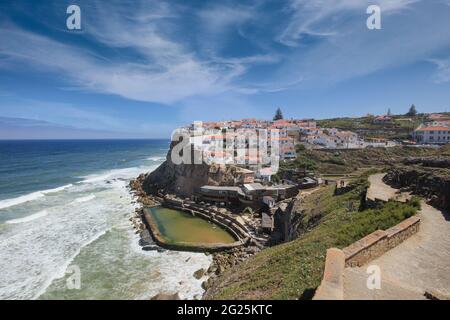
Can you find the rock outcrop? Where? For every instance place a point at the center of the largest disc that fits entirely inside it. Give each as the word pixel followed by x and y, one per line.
pixel 166 296
pixel 427 177
pixel 436 162
pixel 185 179
pixel 170 178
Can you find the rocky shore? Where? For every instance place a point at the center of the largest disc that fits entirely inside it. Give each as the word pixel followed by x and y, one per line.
pixel 221 261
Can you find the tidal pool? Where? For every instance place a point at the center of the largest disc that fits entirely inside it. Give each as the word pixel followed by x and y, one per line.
pixel 177 226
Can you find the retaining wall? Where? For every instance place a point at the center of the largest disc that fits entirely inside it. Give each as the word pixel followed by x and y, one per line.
pixel 378 242
pixel 360 253
pixel 185 246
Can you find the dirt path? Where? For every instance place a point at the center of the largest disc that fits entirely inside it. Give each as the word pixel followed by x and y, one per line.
pixel 379 190
pixel 421 263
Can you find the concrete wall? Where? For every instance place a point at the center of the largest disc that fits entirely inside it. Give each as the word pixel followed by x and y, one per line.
pixel 360 253
pixel 182 246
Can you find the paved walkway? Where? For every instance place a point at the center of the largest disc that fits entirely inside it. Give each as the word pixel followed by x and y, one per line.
pixel 420 263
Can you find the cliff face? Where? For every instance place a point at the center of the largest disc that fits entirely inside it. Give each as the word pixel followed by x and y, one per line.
pixel 185 179
pixel 433 162
pixel 429 178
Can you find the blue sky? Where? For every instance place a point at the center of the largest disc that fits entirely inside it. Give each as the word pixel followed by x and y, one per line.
pixel 141 68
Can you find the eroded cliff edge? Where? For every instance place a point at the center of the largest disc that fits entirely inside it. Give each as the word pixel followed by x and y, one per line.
pixel 185 179
pixel 427 177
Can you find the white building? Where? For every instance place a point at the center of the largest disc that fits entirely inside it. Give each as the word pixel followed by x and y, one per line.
pixel 432 134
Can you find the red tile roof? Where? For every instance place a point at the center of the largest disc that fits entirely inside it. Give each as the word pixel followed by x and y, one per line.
pixel 434 128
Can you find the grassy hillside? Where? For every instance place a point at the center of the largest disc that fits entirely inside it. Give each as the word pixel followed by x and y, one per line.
pixel 347 161
pixel 293 270
pixel 401 127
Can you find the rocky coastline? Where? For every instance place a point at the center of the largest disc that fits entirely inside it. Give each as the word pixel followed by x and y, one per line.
pixel 221 261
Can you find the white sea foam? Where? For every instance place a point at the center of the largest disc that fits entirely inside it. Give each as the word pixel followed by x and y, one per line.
pixel 33 255
pixel 84 199
pixel 30 197
pixel 107 176
pixel 29 218
pixel 103 178
pixel 182 266
pixel 61 271
pixel 156 158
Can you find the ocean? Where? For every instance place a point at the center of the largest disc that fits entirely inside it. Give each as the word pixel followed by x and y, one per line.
pixel 64 212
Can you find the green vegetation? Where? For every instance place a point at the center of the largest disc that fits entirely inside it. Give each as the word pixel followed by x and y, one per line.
pixel 293 270
pixel 376 219
pixel 347 161
pixel 400 128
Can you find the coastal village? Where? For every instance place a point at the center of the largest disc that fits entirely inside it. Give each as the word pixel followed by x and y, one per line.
pixel 253 203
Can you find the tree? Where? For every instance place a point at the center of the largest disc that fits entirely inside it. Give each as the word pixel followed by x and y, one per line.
pixel 278 115
pixel 412 111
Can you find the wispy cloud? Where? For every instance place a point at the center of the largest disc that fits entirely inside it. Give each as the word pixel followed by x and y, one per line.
pixel 63 113
pixel 161 69
pixel 169 79
pixel 356 51
pixel 326 17
pixel 146 51
pixel 219 20
pixel 443 70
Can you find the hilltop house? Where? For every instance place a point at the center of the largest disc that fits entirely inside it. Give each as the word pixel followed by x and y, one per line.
pixel 438 117
pixel 434 134
pixel 383 120
pixel 333 139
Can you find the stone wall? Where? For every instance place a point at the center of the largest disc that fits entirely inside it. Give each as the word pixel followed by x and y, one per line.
pixel 360 253
pixel 378 242
pixel 181 246
pixel 222 219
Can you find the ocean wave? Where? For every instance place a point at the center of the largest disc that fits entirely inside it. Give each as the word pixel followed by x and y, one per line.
pixel 156 158
pixel 125 173
pixel 84 199
pixel 30 197
pixel 29 218
pixel 61 271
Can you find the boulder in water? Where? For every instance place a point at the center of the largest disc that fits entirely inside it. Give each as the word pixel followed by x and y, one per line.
pixel 166 296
